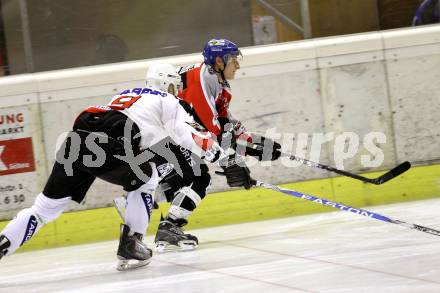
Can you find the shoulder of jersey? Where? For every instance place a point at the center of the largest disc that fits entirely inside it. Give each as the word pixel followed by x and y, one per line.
pixel 184 69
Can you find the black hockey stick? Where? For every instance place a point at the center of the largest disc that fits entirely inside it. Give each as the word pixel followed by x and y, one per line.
pixel 346 208
pixel 396 171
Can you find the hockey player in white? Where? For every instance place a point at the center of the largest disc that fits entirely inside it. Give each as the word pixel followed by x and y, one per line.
pixel 111 142
pixel 184 177
pixel 205 93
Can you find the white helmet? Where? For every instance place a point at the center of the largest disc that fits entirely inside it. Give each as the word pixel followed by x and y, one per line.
pixel 163 77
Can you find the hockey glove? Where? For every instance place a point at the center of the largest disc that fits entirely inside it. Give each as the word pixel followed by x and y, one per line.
pixel 264 150
pixel 213 154
pixel 237 174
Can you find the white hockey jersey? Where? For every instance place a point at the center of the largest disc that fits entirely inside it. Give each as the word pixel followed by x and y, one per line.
pixel 159 115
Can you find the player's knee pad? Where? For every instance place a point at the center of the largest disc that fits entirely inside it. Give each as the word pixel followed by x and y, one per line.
pixel 185 201
pixel 48 209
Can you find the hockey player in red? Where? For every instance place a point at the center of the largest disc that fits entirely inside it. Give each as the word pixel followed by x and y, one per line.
pixel 205 93
pixel 205 88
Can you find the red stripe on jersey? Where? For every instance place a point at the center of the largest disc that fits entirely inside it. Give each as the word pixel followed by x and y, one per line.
pixel 222 103
pixel 96 109
pixel 193 94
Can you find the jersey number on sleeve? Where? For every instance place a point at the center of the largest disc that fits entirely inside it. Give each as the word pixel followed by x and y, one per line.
pixel 124 102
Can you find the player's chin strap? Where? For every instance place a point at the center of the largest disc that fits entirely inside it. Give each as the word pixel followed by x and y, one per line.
pixel 344 207
pixel 222 74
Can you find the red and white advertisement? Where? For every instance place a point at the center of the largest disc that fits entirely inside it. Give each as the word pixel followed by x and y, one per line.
pixel 17 162
pixel 16 156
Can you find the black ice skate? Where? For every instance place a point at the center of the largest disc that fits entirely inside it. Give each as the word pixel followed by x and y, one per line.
pixel 170 236
pixel 132 252
pixel 4 245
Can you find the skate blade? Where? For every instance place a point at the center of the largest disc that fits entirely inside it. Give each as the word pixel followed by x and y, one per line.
pixel 184 245
pixel 131 264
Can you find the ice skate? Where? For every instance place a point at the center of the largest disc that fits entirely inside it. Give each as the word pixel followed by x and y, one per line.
pixel 4 245
pixel 170 236
pixel 132 252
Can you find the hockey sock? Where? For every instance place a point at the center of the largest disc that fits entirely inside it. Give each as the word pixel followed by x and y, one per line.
pixel 30 220
pixel 138 211
pixel 185 201
pixel 140 204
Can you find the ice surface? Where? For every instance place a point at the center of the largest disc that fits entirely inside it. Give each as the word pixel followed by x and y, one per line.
pixel 332 252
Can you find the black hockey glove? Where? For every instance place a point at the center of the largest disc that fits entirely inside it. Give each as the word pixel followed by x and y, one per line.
pixel 265 149
pixel 237 174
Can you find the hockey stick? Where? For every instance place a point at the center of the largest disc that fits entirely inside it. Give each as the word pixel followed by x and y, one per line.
pixel 346 208
pixel 396 171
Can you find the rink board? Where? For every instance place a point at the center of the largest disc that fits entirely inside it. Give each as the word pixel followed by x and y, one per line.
pixel 295 92
pixel 244 206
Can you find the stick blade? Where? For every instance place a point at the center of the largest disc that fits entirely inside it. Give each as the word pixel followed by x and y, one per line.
pixel 396 171
pixel 426 229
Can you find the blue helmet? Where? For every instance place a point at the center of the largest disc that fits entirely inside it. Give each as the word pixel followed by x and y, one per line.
pixel 219 48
